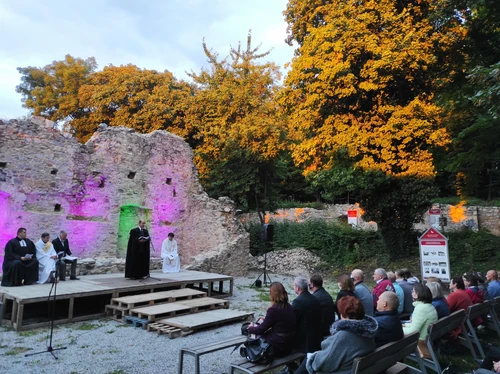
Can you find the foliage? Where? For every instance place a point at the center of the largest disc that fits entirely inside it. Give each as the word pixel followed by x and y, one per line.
pixel 71 91
pixel 239 130
pixel 362 81
pixel 471 100
pixel 145 100
pixel 334 243
pixel 469 202
pixel 472 251
pixel 52 91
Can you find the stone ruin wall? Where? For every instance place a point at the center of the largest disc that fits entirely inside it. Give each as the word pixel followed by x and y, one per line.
pixel 473 217
pixel 98 191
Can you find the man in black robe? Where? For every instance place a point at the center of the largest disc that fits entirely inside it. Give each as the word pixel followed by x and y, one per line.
pixel 137 261
pixel 18 265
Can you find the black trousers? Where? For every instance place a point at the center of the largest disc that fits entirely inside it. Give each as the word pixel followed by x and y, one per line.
pixel 62 269
pixel 492 355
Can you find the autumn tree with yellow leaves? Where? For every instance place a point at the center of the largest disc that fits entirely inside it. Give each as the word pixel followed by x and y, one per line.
pixel 72 92
pixel 238 126
pixel 361 90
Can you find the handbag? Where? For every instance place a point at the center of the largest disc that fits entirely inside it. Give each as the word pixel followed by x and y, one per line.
pixel 257 351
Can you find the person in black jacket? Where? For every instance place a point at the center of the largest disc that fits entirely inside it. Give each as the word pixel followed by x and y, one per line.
pixel 138 255
pixel 20 265
pixel 308 311
pixel 61 244
pixel 389 325
pixel 326 302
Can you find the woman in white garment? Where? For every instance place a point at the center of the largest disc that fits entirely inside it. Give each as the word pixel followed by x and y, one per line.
pixel 171 262
pixel 47 258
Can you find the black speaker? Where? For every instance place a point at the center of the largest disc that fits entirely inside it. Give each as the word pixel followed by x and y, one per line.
pixel 267 233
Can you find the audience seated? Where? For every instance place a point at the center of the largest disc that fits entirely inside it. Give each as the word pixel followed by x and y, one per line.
pixel 352 336
pixel 438 299
pixel 362 292
pixel 409 277
pixel 491 364
pixel 493 284
pixel 389 324
pixel 458 298
pixel 407 290
pixel 308 312
pixel 346 287
pixel 472 288
pixel 279 325
pixel 424 313
pixel 325 301
pixel 398 290
pixel 383 284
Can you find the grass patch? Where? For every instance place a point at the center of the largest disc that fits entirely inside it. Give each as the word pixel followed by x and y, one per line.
pixel 87 326
pixel 116 372
pixel 29 333
pixel 3 346
pixel 17 350
pixel 110 331
pixel 114 350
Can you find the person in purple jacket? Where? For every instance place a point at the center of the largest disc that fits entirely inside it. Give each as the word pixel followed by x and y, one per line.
pixel 280 323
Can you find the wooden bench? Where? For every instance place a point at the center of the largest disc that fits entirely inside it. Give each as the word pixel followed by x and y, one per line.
pixel 203 349
pixel 473 312
pixel 438 330
pixel 243 366
pixel 493 321
pixel 387 359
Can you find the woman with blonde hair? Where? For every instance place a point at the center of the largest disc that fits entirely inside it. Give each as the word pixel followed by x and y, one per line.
pixel 279 325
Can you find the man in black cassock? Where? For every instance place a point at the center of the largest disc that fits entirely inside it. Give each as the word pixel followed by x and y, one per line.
pixel 137 262
pixel 17 265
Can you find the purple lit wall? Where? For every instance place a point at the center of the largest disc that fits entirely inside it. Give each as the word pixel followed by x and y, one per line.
pixel 50 182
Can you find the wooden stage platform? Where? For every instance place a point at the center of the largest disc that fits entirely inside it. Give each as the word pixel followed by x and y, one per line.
pixel 26 307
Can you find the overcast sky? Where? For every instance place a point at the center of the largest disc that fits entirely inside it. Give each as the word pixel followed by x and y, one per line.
pixel 153 34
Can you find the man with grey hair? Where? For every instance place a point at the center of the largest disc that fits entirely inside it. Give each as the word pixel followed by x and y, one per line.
pixel 308 311
pixel 383 284
pixel 361 291
pixel 61 246
pixel 389 325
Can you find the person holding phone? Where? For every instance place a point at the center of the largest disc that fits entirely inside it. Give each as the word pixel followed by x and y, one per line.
pixel 20 265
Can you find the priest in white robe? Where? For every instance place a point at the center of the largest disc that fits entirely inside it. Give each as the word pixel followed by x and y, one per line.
pixel 170 256
pixel 47 258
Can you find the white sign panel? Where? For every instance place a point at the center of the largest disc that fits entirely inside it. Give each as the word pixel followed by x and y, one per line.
pixel 434 256
pixel 434 215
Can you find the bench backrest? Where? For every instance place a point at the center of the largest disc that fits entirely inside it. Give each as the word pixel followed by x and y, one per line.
pixel 386 356
pixel 443 326
pixel 478 310
pixel 496 305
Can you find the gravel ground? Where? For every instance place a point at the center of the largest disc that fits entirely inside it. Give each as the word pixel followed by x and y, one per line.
pixel 106 346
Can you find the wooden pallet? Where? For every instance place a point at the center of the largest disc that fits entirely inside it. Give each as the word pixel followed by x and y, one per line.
pixel 170 331
pixel 152 298
pixel 190 323
pixel 115 312
pixel 136 322
pixel 152 313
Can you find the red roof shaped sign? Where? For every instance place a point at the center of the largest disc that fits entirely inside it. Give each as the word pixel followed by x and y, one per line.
pixel 433 234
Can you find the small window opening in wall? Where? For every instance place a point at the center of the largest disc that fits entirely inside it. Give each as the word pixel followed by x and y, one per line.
pixel 57 208
pixel 174 193
pixel 131 175
pixel 3 164
pixel 168 181
pixel 53 171
pixel 101 184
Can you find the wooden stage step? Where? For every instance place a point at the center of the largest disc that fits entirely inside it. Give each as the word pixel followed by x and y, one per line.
pixel 187 324
pixel 152 313
pixel 120 306
pixel 151 298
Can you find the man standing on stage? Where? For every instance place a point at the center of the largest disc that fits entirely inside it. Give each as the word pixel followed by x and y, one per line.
pixel 137 262
pixel 61 244
pixel 20 261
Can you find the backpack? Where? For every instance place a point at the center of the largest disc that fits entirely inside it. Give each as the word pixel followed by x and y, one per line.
pixel 257 351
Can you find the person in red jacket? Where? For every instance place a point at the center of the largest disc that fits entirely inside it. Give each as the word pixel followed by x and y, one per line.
pixel 475 294
pixel 458 298
pixel 383 284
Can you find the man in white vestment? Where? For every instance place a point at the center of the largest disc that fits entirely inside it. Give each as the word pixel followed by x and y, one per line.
pixel 170 256
pixel 47 258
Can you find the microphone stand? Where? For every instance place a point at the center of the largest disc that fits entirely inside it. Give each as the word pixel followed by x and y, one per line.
pixel 52 313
